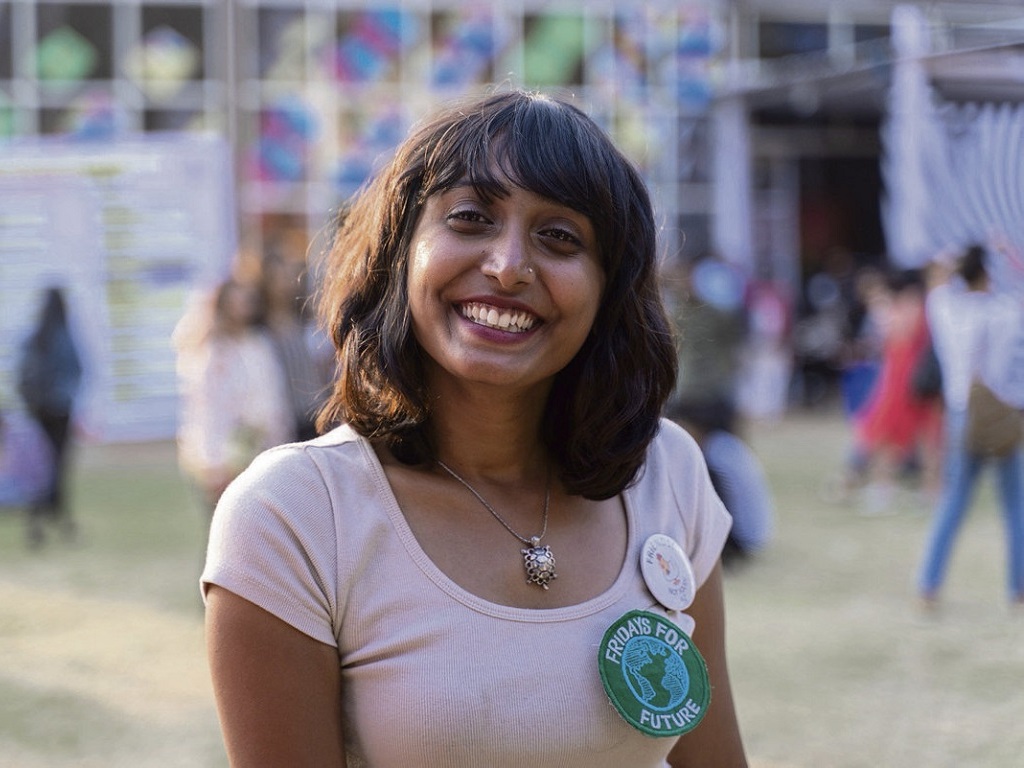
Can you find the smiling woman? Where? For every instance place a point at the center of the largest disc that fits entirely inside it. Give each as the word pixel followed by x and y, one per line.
pixel 503 360
pixel 551 152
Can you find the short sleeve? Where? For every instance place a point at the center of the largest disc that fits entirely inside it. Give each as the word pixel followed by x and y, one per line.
pixel 273 541
pixel 710 530
pixel 683 486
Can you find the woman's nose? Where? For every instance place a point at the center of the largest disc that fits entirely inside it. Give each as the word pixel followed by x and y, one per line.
pixel 507 259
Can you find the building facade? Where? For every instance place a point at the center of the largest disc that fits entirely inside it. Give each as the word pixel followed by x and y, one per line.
pixel 765 129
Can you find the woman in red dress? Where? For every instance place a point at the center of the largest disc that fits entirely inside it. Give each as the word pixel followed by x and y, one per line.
pixel 897 427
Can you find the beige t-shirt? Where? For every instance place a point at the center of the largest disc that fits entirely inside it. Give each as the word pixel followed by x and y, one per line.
pixel 434 676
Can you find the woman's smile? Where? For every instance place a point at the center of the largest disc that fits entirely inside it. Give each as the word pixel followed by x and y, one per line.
pixel 491 316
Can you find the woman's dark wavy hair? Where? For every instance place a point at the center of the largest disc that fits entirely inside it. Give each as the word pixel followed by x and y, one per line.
pixel 604 406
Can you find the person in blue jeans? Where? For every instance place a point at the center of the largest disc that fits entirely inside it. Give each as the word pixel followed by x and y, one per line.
pixel 974 330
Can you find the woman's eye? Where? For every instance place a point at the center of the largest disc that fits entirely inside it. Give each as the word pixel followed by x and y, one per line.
pixel 466 215
pixel 562 235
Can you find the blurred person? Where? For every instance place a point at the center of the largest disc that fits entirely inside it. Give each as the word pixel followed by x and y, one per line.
pixel 822 326
pixel 897 431
pixel 303 353
pixel 864 339
pixel 232 388
pixel 710 320
pixel 708 313
pixel 766 358
pixel 739 479
pixel 972 329
pixel 49 378
pixel 26 460
pixel 861 361
pixel 376 595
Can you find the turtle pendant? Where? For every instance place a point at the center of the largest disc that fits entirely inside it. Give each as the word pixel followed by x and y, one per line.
pixel 539 564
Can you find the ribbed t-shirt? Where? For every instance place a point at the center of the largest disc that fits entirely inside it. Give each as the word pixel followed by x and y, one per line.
pixel 433 676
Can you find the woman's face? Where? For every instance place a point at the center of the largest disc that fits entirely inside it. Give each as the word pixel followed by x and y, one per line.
pixel 240 306
pixel 502 292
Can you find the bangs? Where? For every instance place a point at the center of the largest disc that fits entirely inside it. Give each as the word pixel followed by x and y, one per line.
pixel 527 143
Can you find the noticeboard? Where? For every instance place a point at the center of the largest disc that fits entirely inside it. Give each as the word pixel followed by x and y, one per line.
pixel 129 229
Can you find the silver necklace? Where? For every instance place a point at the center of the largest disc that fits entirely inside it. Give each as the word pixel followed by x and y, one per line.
pixel 538 561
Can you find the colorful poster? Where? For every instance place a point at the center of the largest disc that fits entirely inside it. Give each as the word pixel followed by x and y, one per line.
pixel 130 229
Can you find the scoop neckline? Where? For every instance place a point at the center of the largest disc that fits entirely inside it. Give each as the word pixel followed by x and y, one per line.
pixel 479 604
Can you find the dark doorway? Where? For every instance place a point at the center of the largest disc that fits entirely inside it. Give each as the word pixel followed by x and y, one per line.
pixel 840 234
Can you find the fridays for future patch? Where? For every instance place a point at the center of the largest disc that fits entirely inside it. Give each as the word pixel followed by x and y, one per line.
pixel 654 674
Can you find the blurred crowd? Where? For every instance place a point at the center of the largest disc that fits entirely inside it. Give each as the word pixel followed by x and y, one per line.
pixel 898 349
pixel 930 365
pixel 927 365
pixel 252 370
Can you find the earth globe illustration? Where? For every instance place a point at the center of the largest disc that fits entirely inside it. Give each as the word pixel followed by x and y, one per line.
pixel 655 673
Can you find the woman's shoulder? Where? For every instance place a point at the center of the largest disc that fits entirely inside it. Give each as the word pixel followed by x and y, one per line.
pixel 673 440
pixel 296 492
pixel 673 457
pixel 319 461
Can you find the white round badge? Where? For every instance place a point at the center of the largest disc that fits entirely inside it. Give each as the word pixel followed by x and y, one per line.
pixel 668 572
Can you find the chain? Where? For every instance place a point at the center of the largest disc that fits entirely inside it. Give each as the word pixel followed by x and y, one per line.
pixel 535 541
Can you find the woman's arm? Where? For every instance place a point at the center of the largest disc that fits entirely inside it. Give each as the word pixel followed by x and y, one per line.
pixel 715 742
pixel 278 691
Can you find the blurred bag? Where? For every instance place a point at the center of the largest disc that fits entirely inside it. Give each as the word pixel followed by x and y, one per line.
pixel 993 428
pixel 926 380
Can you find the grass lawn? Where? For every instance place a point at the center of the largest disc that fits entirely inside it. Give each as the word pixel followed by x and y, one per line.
pixel 102 663
pixel 101 645
pixel 832 663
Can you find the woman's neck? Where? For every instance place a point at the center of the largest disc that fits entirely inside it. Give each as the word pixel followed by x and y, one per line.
pixel 490 433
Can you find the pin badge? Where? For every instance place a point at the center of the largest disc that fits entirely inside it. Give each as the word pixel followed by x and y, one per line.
pixel 668 572
pixel 653 674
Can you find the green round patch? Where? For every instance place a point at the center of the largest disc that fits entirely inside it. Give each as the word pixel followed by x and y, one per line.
pixel 654 674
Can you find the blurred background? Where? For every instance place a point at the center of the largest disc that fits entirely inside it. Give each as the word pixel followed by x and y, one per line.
pixel 146 146
pixel 798 152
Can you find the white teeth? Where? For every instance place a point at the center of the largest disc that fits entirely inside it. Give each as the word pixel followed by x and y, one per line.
pixel 514 321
